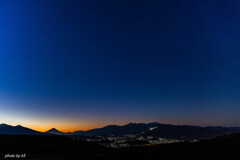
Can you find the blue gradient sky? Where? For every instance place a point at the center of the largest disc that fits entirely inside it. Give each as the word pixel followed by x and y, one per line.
pixel 76 64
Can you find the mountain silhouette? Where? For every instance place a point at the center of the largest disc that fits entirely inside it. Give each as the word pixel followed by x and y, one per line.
pixel 17 130
pixel 153 129
pixel 55 131
pixel 156 129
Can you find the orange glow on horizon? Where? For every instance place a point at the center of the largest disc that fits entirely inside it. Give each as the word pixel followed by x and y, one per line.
pixel 65 128
pixel 72 127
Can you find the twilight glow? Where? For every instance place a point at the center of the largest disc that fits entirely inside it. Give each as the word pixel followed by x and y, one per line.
pixel 80 64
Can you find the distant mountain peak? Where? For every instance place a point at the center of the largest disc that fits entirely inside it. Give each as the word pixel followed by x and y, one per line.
pixel 14 130
pixel 19 126
pixel 4 125
pixel 131 123
pixel 154 123
pixel 54 131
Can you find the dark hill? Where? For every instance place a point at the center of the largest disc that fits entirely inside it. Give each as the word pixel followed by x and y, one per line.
pixel 160 130
pixel 16 130
pixel 63 147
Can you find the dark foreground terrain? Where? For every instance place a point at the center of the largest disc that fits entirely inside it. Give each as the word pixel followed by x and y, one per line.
pixel 61 147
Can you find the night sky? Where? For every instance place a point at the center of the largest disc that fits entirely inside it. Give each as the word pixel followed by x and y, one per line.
pixel 82 64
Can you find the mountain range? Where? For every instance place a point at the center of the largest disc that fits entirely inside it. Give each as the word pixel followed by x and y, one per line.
pixel 16 130
pixel 154 129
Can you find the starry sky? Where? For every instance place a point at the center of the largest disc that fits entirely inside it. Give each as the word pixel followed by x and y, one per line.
pixel 81 64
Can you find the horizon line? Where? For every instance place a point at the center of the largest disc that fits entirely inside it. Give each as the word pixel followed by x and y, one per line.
pixel 119 125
